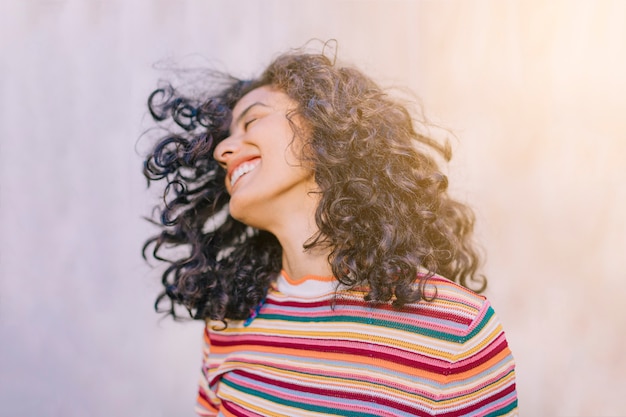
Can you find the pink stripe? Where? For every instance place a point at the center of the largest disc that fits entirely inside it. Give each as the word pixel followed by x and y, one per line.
pixel 367 350
pixel 331 403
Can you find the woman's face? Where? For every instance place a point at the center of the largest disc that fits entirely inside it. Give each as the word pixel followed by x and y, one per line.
pixel 264 176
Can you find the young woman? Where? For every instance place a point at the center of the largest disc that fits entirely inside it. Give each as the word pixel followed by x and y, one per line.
pixel 317 240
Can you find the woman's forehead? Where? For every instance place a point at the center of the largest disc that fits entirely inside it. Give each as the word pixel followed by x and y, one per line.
pixel 266 95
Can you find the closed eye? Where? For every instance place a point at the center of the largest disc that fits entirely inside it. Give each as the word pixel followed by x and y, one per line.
pixel 246 124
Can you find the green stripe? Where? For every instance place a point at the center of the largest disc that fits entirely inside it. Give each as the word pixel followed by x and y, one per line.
pixel 503 411
pixel 385 323
pixel 300 406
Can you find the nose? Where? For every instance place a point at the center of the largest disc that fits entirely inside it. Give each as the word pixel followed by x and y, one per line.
pixel 225 150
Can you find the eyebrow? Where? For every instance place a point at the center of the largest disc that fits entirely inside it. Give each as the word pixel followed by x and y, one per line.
pixel 243 113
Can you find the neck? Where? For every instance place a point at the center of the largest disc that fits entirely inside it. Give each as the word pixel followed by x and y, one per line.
pixel 292 234
pixel 291 218
pixel 299 263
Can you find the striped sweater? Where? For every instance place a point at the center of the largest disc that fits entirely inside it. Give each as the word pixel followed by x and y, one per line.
pixel 300 356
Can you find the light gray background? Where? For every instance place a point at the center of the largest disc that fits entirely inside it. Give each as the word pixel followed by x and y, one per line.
pixel 534 90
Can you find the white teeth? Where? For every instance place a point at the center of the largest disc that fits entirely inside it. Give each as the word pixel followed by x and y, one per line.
pixel 241 170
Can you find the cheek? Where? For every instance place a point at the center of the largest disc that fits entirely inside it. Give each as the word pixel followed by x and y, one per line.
pixel 294 149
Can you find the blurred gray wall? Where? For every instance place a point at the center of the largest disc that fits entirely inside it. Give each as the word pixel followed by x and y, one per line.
pixel 534 91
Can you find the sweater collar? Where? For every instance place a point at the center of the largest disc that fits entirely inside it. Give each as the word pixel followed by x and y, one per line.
pixel 310 286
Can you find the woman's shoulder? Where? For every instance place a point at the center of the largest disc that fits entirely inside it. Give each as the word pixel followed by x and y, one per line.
pixel 451 307
pixel 439 289
pixel 446 305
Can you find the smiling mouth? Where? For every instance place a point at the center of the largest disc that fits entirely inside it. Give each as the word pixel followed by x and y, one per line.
pixel 242 170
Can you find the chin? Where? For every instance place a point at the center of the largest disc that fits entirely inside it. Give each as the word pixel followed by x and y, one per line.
pixel 242 212
pixel 236 213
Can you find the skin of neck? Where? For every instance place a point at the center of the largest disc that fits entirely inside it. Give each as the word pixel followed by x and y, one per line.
pixel 299 263
pixel 292 231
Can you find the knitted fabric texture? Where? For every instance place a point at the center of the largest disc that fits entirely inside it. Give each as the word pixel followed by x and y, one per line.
pixel 309 353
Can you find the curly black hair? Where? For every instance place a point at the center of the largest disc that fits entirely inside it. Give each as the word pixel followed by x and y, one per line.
pixel 384 211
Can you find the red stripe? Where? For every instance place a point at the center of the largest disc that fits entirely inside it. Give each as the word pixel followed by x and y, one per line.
pixel 408 314
pixel 491 350
pixel 334 393
pixel 237 410
pixel 394 355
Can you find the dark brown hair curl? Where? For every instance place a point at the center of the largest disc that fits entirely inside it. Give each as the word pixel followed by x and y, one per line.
pixel 384 210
